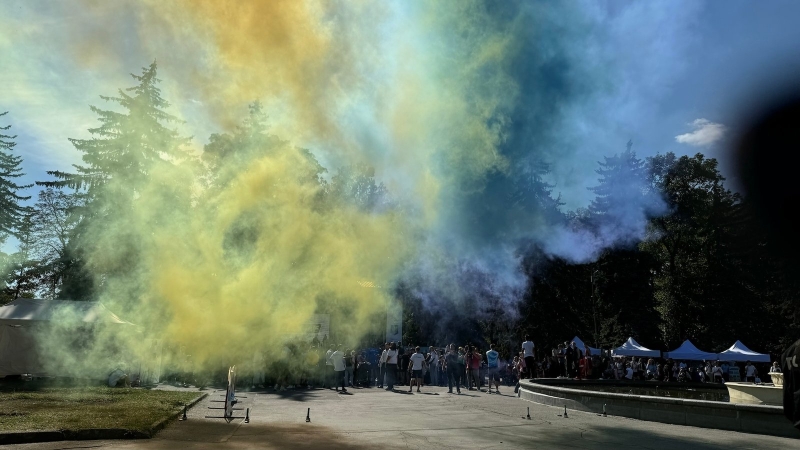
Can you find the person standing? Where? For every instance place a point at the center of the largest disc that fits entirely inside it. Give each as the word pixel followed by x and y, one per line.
pixel 350 368
pixel 530 359
pixel 717 373
pixel 572 358
pixel 451 366
pixel 327 378
pixel 433 366
pixel 750 373
pixel 391 366
pixel 417 362
pixel 473 361
pixel 337 361
pixel 492 358
pixel 382 366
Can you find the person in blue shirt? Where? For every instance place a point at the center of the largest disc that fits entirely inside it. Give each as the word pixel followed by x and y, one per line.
pixel 491 363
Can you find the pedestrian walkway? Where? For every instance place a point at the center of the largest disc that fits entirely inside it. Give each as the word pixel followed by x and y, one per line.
pixel 374 418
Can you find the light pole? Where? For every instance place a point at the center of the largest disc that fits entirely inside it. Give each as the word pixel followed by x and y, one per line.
pixel 594 307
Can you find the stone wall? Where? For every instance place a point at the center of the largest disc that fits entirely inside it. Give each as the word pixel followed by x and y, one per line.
pixel 725 416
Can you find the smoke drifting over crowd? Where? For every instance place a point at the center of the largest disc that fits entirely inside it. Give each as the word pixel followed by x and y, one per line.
pixel 460 107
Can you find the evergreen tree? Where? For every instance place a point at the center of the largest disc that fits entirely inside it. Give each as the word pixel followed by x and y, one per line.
pixel 119 163
pixel 23 274
pixel 622 202
pixel 533 194
pixel 51 227
pixel 127 145
pixel 12 213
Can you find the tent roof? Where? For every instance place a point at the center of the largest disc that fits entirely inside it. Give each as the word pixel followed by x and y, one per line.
pixel 740 352
pixel 25 311
pixel 633 348
pixel 581 346
pixel 687 350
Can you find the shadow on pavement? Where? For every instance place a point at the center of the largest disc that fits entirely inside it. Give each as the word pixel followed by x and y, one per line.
pixel 298 395
pixel 306 436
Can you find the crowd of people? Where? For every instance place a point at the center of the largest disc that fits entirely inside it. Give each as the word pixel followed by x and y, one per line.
pixel 467 366
pixel 568 361
pixel 470 367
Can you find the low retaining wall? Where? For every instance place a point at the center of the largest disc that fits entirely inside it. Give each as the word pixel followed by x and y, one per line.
pixel 699 413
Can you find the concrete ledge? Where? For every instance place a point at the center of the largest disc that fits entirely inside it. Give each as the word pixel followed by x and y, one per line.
pixel 758 419
pixel 90 434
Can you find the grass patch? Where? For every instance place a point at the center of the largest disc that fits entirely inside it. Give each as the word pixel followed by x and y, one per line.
pixel 77 408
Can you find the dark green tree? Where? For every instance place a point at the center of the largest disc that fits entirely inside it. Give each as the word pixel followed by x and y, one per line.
pixel 690 246
pixel 12 211
pixel 619 282
pixel 23 273
pixel 52 223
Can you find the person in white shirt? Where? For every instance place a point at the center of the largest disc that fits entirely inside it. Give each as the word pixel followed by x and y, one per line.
pixel 417 362
pixel 433 366
pixel 337 360
pixel 530 360
pixel 717 372
pixel 391 366
pixel 628 372
pixel 382 366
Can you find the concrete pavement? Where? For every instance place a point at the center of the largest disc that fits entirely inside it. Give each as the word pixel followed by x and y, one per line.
pixel 374 418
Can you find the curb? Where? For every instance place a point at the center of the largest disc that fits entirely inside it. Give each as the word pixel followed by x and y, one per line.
pixel 90 434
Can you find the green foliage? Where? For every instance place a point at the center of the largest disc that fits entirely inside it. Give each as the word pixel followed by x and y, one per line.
pixel 12 212
pixel 119 162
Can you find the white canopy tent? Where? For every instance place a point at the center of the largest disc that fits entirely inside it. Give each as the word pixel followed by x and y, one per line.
pixel 740 352
pixel 633 348
pixel 688 351
pixel 581 346
pixel 22 320
pixel 27 311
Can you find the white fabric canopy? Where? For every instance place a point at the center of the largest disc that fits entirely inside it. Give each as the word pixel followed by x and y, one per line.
pixel 740 352
pixel 688 351
pixel 27 311
pixel 22 321
pixel 633 348
pixel 581 346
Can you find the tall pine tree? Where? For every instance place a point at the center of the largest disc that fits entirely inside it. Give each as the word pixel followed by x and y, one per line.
pixel 119 161
pixel 12 212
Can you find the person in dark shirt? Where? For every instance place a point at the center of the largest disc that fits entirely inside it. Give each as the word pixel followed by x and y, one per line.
pixel 790 365
pixel 452 368
pixel 403 369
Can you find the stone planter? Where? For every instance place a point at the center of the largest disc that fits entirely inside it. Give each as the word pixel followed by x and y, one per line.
pixel 777 378
pixel 755 394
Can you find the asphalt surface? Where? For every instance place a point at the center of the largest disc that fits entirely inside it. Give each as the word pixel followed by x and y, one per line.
pixel 374 418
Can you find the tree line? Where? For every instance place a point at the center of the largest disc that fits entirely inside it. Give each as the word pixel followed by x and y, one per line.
pixel 704 268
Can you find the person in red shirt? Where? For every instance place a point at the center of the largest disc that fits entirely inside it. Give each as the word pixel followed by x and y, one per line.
pixel 473 360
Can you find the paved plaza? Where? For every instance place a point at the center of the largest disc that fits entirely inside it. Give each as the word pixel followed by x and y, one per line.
pixel 374 418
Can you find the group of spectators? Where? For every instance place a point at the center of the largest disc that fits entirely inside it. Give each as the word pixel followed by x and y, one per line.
pixel 568 361
pixel 470 367
pixel 467 366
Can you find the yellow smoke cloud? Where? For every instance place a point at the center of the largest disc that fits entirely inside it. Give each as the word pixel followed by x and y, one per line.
pixel 425 81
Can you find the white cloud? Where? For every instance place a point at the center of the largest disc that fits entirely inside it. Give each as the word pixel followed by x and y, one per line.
pixel 705 133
